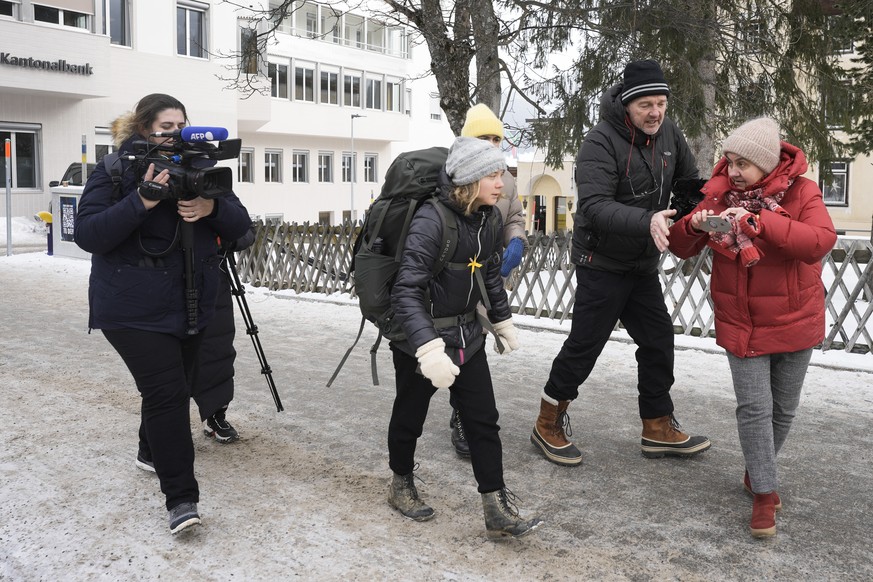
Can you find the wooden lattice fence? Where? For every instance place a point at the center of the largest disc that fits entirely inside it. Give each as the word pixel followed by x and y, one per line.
pixel 315 258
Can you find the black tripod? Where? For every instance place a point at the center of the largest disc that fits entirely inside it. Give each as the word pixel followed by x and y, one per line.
pixel 239 292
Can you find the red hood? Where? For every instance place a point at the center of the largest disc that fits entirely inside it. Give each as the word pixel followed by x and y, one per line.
pixel 792 163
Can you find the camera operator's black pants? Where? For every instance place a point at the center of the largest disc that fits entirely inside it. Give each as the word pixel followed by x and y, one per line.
pixel 472 394
pixel 602 298
pixel 161 365
pixel 212 381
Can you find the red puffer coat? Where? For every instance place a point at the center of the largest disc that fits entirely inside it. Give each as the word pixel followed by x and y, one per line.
pixel 777 305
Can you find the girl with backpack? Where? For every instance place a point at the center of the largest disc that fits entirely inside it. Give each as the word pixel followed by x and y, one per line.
pixel 437 354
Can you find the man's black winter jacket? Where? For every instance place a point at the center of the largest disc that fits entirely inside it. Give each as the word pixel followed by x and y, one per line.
pixel 623 177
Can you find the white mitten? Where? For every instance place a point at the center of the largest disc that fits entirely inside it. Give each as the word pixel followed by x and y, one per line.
pixel 508 336
pixel 436 365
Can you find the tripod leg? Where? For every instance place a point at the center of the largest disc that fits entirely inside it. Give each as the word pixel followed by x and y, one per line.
pixel 238 291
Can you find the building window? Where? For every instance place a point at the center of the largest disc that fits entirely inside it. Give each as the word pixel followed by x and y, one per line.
pixel 300 166
pixel 374 94
pixel 436 113
pixel 349 167
pixel 375 36
pixel 24 163
pixel 246 162
pixel 273 219
pixel 325 218
pixel 753 31
pixel 116 17
pixel 838 34
pixel 284 24
pixel 352 89
pixel 57 16
pixel 330 87
pixel 325 166
pixel 103 143
pixel 836 105
pixel 408 102
pixel 392 95
pixel 278 80
pixel 248 48
pixel 304 76
pixel 8 8
pixel 330 24
pixel 370 167
pixel 191 30
pixel 273 166
pixel 836 190
pixel 354 31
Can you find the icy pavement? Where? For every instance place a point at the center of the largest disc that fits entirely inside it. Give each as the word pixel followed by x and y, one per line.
pixel 302 495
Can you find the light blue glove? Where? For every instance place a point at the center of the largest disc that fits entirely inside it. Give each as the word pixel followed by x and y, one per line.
pixel 511 256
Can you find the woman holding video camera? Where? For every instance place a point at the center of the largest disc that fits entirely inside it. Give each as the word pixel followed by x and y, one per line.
pixel 132 221
pixel 769 229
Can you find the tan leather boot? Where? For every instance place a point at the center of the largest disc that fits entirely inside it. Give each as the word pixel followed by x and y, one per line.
pixel 548 433
pixel 663 436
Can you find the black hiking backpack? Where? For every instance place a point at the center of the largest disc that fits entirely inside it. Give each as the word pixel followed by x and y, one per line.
pixel 411 181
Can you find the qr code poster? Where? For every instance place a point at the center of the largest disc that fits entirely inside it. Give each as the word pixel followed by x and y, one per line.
pixel 68 217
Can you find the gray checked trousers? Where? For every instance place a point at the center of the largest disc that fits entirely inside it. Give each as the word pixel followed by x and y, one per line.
pixel 768 393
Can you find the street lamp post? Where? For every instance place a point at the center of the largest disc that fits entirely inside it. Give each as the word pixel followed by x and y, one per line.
pixel 352 164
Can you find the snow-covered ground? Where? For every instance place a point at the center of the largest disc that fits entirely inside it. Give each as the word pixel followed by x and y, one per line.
pixel 302 495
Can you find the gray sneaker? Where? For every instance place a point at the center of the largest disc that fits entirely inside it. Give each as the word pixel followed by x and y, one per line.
pixel 183 515
pixel 145 463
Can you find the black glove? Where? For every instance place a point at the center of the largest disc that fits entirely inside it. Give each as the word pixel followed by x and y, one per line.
pixel 686 196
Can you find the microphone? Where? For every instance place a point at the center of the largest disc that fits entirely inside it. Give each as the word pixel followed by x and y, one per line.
pixel 195 133
pixel 202 133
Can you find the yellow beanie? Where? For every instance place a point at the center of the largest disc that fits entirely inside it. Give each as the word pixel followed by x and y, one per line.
pixel 481 121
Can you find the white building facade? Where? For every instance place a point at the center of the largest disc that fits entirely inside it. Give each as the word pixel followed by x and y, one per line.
pixel 68 68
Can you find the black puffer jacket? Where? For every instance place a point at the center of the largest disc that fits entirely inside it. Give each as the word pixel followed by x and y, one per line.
pixel 130 289
pixel 623 177
pixel 452 291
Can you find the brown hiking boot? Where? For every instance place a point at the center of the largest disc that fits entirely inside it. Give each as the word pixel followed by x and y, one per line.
pixel 548 434
pixel 663 436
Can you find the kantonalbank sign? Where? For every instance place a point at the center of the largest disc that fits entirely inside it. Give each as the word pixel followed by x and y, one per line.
pixel 58 66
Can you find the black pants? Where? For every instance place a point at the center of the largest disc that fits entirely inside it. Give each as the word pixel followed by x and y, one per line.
pixel 602 298
pixel 472 395
pixel 161 364
pixel 212 379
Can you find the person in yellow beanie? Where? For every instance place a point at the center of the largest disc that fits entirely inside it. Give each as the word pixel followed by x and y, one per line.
pixel 481 123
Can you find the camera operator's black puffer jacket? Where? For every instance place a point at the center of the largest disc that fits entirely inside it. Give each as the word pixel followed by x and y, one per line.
pixel 452 292
pixel 128 288
pixel 623 177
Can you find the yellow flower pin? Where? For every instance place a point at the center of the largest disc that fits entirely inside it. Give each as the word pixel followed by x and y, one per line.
pixel 474 264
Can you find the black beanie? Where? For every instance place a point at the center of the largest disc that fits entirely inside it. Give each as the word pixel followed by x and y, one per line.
pixel 642 78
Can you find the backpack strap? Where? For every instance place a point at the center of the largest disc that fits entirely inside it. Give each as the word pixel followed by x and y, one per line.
pixel 450 237
pixel 112 164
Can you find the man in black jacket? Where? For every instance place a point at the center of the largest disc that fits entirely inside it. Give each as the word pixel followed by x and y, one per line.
pixel 625 170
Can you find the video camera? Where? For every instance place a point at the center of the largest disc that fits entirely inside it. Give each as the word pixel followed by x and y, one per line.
pixel 185 156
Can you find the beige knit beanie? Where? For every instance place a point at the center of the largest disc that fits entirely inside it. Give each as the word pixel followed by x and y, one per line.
pixel 758 141
pixel 481 121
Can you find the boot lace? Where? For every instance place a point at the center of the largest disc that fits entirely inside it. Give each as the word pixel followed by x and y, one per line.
pixel 674 424
pixel 508 501
pixel 563 424
pixel 460 426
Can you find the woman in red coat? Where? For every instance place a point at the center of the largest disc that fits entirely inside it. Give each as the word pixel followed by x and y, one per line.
pixel 766 289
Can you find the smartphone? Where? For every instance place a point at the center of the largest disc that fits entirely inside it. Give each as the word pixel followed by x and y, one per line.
pixel 715 224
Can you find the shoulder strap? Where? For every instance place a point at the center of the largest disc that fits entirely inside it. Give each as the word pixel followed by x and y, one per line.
pixel 450 236
pixel 113 168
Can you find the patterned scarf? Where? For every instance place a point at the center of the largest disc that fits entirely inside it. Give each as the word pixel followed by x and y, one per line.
pixel 753 201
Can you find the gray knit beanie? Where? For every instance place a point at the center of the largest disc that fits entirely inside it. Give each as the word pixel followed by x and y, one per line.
pixel 471 159
pixel 757 141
